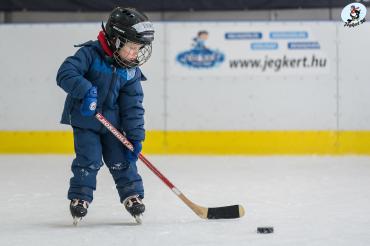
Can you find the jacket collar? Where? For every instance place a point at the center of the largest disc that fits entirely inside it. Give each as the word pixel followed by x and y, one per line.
pixel 104 44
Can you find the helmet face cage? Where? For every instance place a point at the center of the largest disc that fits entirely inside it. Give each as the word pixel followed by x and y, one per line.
pixel 143 55
pixel 126 26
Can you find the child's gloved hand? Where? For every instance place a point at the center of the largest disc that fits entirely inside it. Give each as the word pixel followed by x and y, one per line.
pixel 89 102
pixel 132 156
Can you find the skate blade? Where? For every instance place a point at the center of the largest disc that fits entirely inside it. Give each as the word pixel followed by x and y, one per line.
pixel 138 219
pixel 76 220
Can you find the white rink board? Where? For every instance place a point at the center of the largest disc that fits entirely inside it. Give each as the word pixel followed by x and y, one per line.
pixel 255 104
pixel 217 98
pixel 259 98
pixel 154 87
pixel 31 56
pixel 33 100
pixel 235 40
pixel 354 84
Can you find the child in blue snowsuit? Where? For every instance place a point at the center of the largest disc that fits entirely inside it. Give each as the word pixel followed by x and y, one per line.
pixel 104 76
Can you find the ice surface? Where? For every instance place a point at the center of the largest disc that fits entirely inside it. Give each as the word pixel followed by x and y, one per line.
pixel 308 201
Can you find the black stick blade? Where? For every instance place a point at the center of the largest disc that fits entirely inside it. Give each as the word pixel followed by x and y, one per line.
pixel 228 212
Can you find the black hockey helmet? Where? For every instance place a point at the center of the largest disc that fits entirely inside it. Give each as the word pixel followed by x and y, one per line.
pixel 129 25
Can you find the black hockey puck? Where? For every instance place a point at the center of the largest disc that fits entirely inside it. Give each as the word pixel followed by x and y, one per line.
pixel 265 230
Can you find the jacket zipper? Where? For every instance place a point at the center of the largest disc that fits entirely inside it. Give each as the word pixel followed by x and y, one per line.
pixel 112 81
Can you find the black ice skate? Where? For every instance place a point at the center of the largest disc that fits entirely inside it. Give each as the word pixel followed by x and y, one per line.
pixel 135 207
pixel 78 210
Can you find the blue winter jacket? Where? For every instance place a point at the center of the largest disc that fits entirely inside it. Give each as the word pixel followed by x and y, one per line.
pixel 120 94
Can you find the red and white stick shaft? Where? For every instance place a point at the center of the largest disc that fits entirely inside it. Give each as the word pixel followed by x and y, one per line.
pixel 128 145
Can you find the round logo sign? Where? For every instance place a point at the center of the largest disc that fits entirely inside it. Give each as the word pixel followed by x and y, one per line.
pixel 353 14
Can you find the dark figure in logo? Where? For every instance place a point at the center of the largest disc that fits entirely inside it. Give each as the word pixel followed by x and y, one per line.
pixel 355 14
pixel 200 39
pixel 200 56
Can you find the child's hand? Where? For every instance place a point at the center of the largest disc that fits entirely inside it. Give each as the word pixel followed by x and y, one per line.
pixel 89 102
pixel 133 155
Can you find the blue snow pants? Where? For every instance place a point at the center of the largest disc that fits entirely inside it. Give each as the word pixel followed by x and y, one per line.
pixel 91 148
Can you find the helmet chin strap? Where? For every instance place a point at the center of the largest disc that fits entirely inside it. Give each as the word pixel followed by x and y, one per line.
pixel 103 28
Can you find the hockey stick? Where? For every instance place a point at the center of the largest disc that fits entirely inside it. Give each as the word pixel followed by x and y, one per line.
pixel 227 212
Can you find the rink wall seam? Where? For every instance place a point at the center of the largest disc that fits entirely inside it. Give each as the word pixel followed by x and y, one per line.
pixel 205 142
